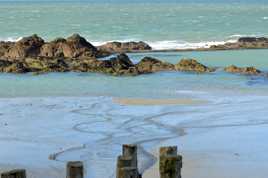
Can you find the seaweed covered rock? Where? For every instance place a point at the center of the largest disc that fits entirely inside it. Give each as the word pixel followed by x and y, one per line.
pixel 43 65
pixel 192 65
pixel 12 67
pixel 150 65
pixel 119 65
pixel 4 64
pixel 118 47
pixel 242 70
pixel 26 47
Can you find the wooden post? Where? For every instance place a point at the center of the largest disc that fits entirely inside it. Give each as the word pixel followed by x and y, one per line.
pixel 75 169
pixel 18 173
pixel 122 162
pixel 170 163
pixel 130 150
pixel 170 150
pixel 128 172
pixel 127 164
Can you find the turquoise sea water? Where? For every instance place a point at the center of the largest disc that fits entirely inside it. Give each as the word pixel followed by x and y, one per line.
pixel 163 25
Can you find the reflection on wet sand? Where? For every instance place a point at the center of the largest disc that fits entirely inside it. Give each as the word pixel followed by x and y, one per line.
pixel 144 101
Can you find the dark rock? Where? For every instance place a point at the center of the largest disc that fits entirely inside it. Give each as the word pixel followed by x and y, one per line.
pixel 15 67
pixel 117 47
pixel 43 65
pixel 149 65
pixel 4 64
pixel 243 70
pixel 73 47
pixel 4 46
pixel 244 43
pixel 120 65
pixel 26 47
pixel 252 39
pixel 122 61
pixel 191 65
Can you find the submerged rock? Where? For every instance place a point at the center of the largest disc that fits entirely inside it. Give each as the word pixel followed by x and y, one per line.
pixel 191 65
pixel 117 47
pixel 150 65
pixel 243 70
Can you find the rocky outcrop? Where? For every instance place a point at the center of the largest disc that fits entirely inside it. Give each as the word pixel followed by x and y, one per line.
pixel 150 65
pixel 191 65
pixel 119 47
pixel 33 46
pixel 120 65
pixel 4 46
pixel 33 54
pixel 252 40
pixel 72 47
pixel 244 43
pixel 26 47
pixel 243 70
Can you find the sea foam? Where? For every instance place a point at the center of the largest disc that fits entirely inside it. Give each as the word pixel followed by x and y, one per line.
pixel 173 44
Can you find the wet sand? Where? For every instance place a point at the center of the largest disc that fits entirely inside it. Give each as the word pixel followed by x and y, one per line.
pixel 222 139
pixel 143 101
pixel 213 154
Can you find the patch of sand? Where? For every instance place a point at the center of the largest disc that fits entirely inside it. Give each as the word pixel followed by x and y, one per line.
pixel 143 101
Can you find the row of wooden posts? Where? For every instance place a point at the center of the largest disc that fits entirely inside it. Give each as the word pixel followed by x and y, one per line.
pixel 170 164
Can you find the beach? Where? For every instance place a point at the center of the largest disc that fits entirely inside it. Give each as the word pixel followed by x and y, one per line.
pixel 65 96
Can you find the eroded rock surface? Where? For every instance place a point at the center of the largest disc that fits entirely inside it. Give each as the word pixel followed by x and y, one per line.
pixel 119 47
pixel 26 47
pixel 75 53
pixel 73 47
pixel 242 70
pixel 192 65
pixel 150 65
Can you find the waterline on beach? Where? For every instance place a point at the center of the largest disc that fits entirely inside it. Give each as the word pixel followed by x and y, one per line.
pixel 143 101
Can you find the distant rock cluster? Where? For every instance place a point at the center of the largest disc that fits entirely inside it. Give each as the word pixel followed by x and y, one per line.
pixel 244 43
pixel 75 53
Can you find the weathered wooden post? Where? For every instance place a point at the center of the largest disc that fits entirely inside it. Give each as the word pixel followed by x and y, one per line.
pixel 130 150
pixel 127 164
pixel 170 162
pixel 17 173
pixel 128 172
pixel 75 169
